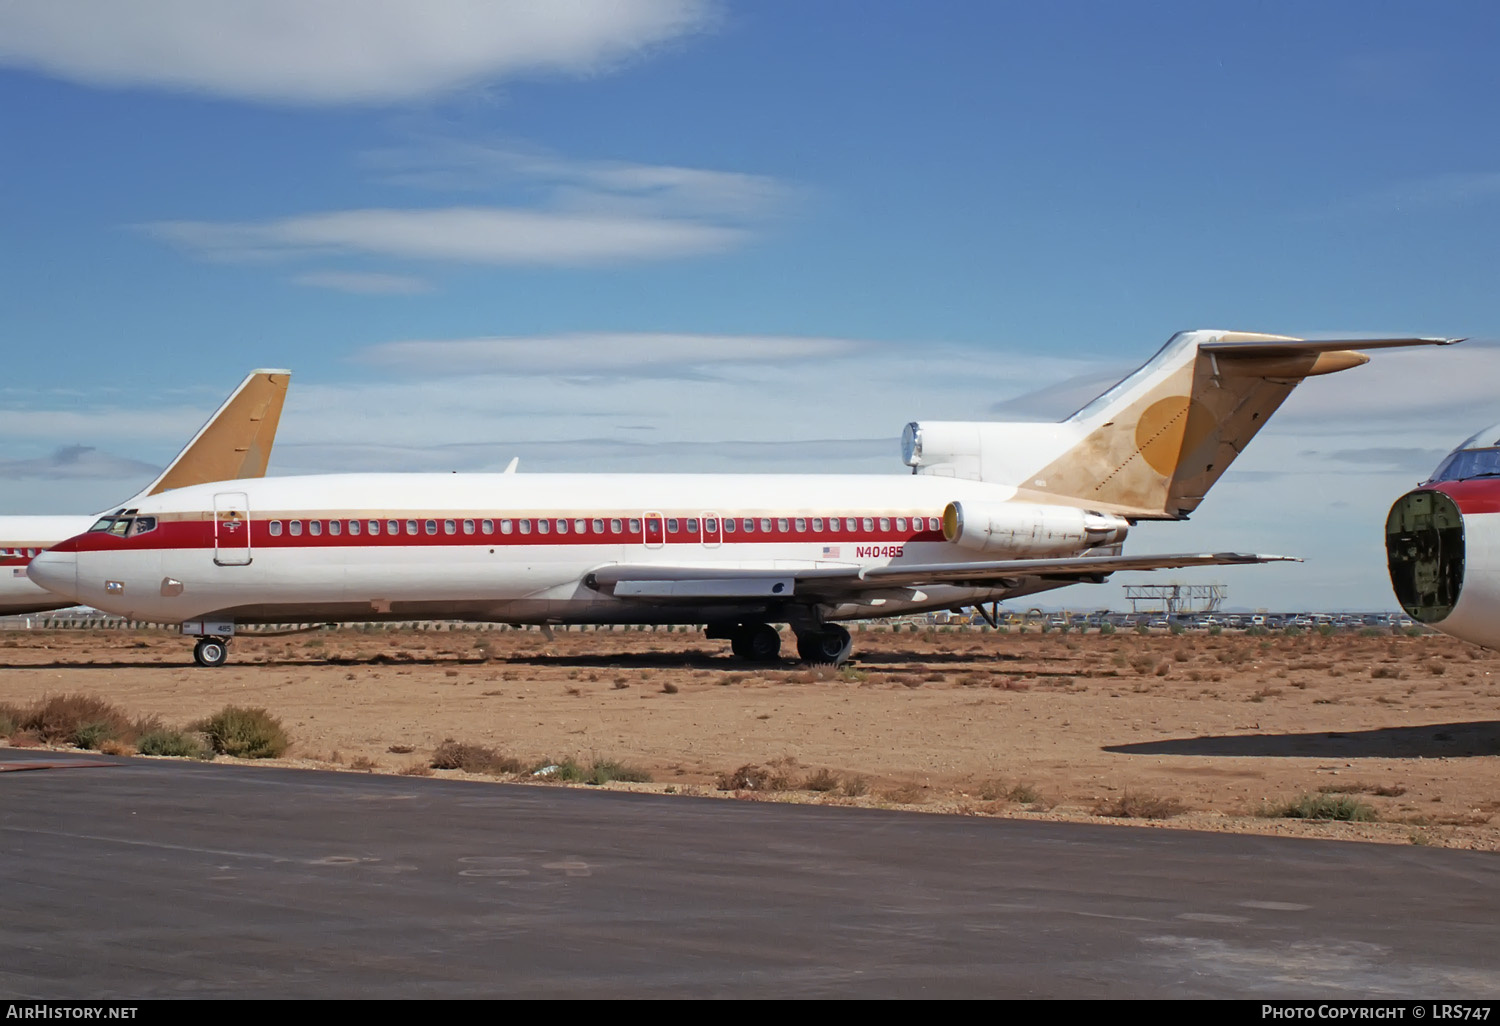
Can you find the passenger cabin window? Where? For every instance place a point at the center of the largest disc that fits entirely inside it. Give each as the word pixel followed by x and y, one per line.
pixel 885 523
pixel 934 524
pixel 562 526
pixel 411 527
pixel 543 526
pixel 635 525
pixel 672 525
pixel 374 526
pixel 615 526
pixel 335 527
pixel 393 527
pixel 506 527
pixel 525 526
pixel 598 527
pixel 315 527
pixel 275 528
pixel 692 525
pixel 748 524
pixel 817 524
pixel 488 526
pixel 580 527
pixel 765 525
pixel 729 525
pixel 431 526
pixel 869 524
pixel 850 524
pixel 801 524
pixel 783 525
pixel 354 527
pixel 296 526
pixel 900 523
pixel 468 527
pixel 450 526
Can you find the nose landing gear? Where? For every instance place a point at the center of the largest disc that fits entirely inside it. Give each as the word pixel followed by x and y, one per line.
pixel 211 651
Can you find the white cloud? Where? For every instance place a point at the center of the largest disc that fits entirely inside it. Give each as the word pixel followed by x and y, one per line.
pixel 77 461
pixel 482 235
pixel 609 355
pixel 332 51
pixel 364 282
pixel 574 184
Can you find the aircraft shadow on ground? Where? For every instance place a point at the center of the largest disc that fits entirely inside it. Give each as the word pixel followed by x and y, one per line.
pixel 1427 741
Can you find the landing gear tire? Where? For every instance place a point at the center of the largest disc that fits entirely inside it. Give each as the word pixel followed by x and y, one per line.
pixel 757 642
pixel 211 652
pixel 829 644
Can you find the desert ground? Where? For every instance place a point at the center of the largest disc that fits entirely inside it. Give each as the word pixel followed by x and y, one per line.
pixel 1198 731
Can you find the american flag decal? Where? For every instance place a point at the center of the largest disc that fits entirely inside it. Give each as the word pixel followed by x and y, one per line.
pixel 830 552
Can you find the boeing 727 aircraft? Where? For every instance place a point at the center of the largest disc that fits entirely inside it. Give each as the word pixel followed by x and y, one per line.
pixel 235 443
pixel 990 511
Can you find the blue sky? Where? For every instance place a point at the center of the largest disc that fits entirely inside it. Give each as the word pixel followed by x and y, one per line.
pixel 762 236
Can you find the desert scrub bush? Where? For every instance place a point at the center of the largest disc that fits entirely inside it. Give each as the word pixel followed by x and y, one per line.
pixel 454 755
pixel 10 719
pixel 822 781
pixel 604 770
pixel 1341 807
pixel 854 787
pixel 1139 805
pixel 244 733
pixel 180 744
pixel 59 719
pixel 1023 794
pixel 751 777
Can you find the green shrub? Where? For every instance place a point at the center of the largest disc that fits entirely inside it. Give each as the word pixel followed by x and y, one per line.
pixel 605 770
pixel 244 733
pixel 1342 807
pixel 176 743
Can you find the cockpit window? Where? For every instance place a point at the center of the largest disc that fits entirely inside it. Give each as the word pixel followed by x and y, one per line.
pixel 142 525
pixel 103 524
pixel 1464 464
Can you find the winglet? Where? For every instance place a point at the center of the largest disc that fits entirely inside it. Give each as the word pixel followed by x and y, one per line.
pixel 236 442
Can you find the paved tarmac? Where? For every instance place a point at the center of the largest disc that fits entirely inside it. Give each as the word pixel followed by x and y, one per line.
pixel 137 878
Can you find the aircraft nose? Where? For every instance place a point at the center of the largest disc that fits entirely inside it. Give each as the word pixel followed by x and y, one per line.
pixel 55 571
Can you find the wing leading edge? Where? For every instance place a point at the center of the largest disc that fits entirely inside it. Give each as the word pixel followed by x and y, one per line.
pixel 707 584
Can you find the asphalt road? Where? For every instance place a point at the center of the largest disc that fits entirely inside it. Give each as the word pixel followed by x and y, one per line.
pixel 135 878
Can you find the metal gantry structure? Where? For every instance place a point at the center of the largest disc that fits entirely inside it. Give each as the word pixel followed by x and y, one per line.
pixel 1175 599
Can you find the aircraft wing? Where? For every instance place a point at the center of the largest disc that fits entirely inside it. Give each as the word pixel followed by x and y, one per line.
pixel 731 584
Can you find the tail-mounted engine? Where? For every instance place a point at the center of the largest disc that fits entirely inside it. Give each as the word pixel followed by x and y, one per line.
pixel 1024 529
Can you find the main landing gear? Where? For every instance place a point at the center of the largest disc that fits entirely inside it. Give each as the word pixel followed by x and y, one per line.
pixel 756 642
pixel 761 643
pixel 827 644
pixel 211 651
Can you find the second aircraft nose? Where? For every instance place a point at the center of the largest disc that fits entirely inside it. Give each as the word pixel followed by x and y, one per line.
pixel 55 571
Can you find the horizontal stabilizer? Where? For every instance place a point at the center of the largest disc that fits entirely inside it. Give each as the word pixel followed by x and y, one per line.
pixel 1297 347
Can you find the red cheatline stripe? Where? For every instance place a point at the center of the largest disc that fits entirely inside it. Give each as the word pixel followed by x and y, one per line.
pixel 1480 496
pixel 189 534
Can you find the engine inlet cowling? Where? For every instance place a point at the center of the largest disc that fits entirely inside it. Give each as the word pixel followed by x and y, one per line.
pixel 1025 529
pixel 1424 547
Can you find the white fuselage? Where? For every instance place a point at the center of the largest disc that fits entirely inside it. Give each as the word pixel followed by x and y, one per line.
pixel 507 547
pixel 22 538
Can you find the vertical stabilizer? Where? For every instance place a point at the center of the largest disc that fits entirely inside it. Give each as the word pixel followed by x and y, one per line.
pixel 235 443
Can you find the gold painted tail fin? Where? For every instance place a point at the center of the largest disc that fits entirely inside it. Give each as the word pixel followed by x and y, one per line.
pixel 235 443
pixel 1153 445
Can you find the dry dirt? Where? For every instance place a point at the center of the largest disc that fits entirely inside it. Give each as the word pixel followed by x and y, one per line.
pixel 1051 726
